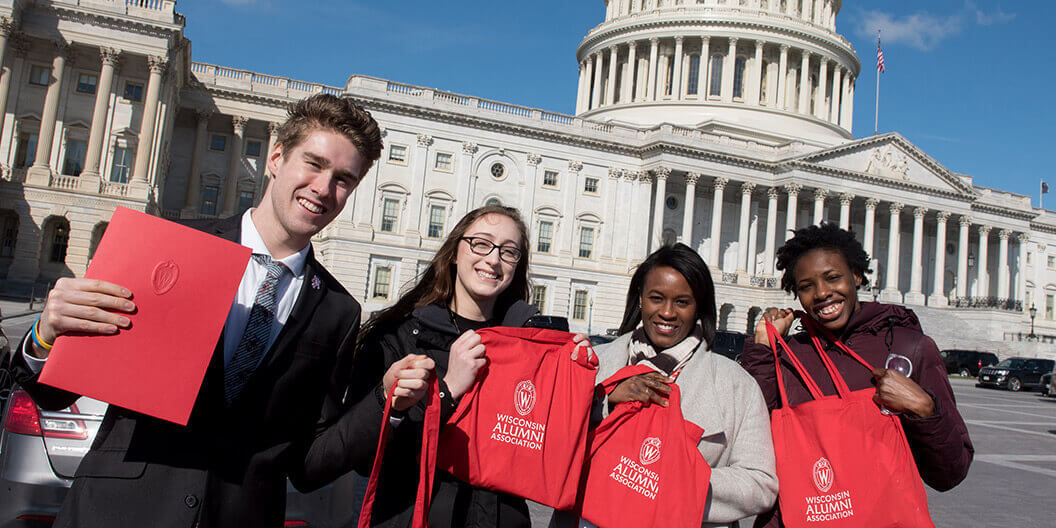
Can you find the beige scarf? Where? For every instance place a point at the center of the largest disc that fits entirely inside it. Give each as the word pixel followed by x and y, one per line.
pixel 665 361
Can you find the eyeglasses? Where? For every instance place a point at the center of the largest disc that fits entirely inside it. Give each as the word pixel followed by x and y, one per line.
pixel 484 247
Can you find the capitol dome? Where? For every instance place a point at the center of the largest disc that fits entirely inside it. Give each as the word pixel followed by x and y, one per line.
pixel 774 70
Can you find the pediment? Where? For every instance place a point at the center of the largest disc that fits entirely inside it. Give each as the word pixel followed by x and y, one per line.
pixel 890 159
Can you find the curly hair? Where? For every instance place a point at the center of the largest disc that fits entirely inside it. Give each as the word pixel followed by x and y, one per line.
pixel 825 236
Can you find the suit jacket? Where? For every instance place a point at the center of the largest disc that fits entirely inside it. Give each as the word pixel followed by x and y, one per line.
pixel 228 467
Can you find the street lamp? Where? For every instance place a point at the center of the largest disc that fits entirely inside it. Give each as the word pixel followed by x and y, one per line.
pixel 1033 313
pixel 875 289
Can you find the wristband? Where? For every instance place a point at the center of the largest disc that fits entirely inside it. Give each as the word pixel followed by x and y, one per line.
pixel 36 337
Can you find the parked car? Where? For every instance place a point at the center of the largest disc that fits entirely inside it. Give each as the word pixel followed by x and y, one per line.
pixel 40 451
pixel 730 344
pixel 1016 373
pixel 967 362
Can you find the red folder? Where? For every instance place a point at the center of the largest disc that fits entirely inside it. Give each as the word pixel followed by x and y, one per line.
pixel 183 282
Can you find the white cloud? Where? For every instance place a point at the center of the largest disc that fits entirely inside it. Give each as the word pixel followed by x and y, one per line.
pixel 923 30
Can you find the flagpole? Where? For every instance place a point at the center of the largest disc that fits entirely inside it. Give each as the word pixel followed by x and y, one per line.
pixel 1041 195
pixel 876 122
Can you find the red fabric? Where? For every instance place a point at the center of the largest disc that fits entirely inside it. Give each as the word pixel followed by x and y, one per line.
pixel 643 466
pixel 522 428
pixel 840 461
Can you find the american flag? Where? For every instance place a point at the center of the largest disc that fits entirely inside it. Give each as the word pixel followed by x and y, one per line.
pixel 879 58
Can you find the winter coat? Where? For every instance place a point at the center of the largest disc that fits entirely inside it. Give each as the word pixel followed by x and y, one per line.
pixel 940 443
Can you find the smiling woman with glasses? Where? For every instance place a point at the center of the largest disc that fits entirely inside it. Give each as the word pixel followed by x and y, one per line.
pixel 467 286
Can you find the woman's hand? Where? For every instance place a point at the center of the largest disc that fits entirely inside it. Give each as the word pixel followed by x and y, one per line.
pixel 780 318
pixel 464 361
pixel 581 341
pixel 647 388
pixel 411 376
pixel 900 394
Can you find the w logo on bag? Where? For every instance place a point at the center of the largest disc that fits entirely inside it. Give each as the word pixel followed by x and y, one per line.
pixel 524 397
pixel 650 451
pixel 823 475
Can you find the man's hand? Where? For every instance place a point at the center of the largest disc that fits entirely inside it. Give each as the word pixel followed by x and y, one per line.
pixel 411 376
pixel 464 361
pixel 647 388
pixel 901 394
pixel 85 306
pixel 780 318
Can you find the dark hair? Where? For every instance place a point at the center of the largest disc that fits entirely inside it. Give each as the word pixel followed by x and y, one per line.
pixel 437 282
pixel 825 236
pixel 687 262
pixel 330 112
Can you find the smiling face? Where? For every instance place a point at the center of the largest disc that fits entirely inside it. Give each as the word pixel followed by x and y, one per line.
pixel 669 310
pixel 480 279
pixel 827 288
pixel 310 184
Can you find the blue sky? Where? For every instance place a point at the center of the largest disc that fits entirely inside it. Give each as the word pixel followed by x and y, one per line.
pixel 970 82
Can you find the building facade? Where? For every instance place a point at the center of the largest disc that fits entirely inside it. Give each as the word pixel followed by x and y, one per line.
pixel 722 124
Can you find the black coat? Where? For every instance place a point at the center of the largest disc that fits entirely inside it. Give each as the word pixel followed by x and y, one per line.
pixel 429 330
pixel 228 467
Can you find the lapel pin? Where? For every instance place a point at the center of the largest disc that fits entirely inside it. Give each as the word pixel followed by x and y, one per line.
pixel 316 283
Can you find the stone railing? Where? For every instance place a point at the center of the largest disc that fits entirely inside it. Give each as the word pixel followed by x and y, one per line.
pixel 14 175
pixel 763 282
pixel 158 10
pixel 59 181
pixel 170 214
pixel 113 188
pixel 986 303
pixel 729 278
pixel 224 77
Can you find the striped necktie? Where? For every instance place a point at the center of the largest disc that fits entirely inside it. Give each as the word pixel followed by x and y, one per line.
pixel 254 342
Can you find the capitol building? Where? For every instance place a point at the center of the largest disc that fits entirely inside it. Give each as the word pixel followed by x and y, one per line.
pixel 721 124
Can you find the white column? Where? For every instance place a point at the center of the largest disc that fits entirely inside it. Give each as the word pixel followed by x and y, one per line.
pixel 983 279
pixel 753 239
pixel 702 72
pixel 938 290
pixel 819 205
pixel 891 292
pixel 610 89
pixel 99 113
pixel 465 183
pixel 627 94
pixel 782 77
pixel 756 79
pixel 771 230
pixel 1021 270
pixel 40 172
pixel 234 164
pixel 845 210
pixel 716 223
pixel 661 174
pixel 916 269
pixel 599 62
pixel 962 257
pixel 804 84
pixel 150 115
pixel 654 52
pixel 194 178
pixel 821 111
pixel 727 71
pixel 678 87
pixel 793 207
pixel 848 105
pixel 790 8
pixel 742 238
pixel 687 209
pixel 273 137
pixel 1002 265
pixel 419 169
pixel 837 83
pixel 870 226
pixel 582 83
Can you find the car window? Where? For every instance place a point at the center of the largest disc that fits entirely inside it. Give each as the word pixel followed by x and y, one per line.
pixel 1046 364
pixel 1012 363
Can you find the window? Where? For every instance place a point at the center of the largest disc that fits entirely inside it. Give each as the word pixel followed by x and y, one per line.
pixel 253 147
pixel 26 152
pixel 75 151
pixel 1049 301
pixel 546 235
pixel 539 297
pixel 550 178
pixel 692 85
pixel 209 195
pixel 590 185
pixel 59 242
pixel 398 153
pixel 389 211
pixel 9 224
pixel 498 171
pixel 493 201
pixel 217 142
pixel 669 77
pixel 122 165
pixel 245 201
pixel 586 242
pixel 1051 261
pixel 86 83
pixel 579 305
pixel 133 91
pixel 40 75
pixel 738 77
pixel 764 81
pixel 715 87
pixel 1030 258
pixel 436 221
pixel 382 279
pixel 443 161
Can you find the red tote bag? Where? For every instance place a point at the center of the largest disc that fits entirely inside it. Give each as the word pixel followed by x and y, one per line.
pixel 840 461
pixel 522 427
pixel 643 467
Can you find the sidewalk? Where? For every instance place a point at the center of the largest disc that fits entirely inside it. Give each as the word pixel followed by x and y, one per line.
pixel 16 309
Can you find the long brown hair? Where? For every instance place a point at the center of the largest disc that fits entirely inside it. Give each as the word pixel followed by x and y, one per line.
pixel 437 283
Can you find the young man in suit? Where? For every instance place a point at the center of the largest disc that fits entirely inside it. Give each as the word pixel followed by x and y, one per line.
pixel 278 375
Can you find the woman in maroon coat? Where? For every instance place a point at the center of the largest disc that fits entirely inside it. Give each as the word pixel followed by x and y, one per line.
pixel 825 267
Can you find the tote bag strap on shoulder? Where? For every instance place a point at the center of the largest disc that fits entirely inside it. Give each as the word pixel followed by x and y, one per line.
pixel 814 329
pixel 775 341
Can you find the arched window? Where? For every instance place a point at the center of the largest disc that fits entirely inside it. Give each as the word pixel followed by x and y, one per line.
pixel 692 86
pixel 56 239
pixel 493 201
pixel 715 87
pixel 738 77
pixel 97 235
pixel 8 232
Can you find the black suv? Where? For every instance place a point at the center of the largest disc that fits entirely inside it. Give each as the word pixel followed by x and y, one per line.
pixel 1016 373
pixel 967 362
